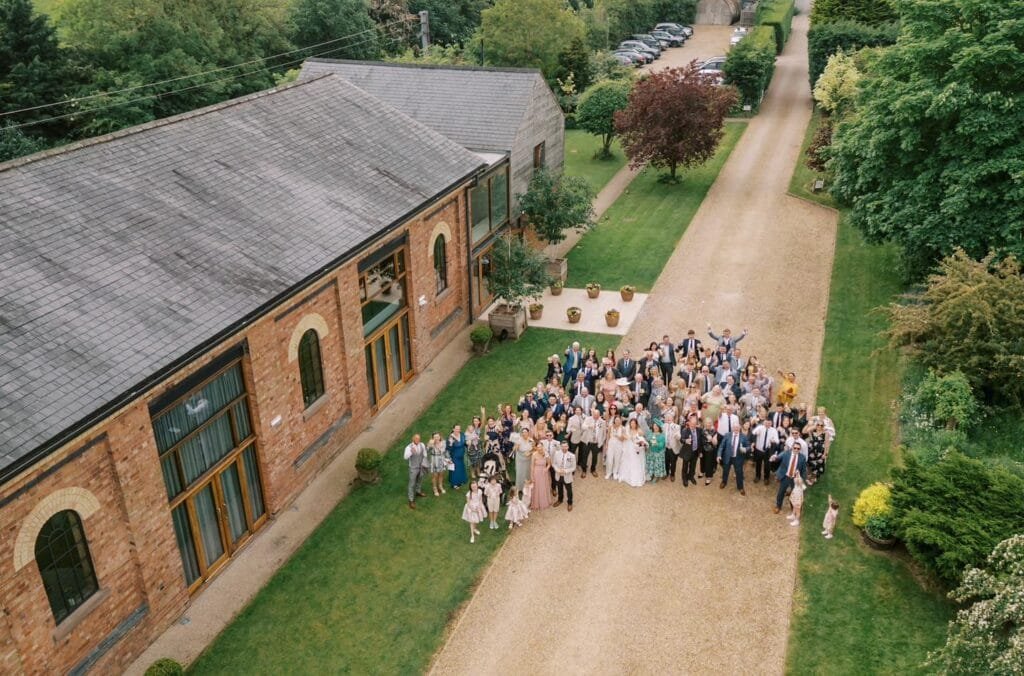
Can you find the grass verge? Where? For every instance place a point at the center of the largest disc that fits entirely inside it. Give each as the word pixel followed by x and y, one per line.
pixel 856 610
pixel 580 149
pixel 633 241
pixel 373 588
pixel 802 182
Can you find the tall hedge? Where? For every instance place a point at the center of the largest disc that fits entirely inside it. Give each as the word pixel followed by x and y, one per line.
pixel 825 39
pixel 751 64
pixel 864 11
pixel 626 17
pixel 777 14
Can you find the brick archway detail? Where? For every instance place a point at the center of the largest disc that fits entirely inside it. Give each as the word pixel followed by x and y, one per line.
pixel 76 499
pixel 310 321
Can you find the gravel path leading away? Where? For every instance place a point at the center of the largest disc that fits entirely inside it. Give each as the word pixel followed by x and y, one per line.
pixel 666 579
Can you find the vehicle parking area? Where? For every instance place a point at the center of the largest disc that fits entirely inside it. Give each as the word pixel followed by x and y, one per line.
pixel 707 41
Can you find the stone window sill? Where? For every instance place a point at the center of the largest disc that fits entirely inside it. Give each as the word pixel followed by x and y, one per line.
pixel 76 618
pixel 316 406
pixel 438 298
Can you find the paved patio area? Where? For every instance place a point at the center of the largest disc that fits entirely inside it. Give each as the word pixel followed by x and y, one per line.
pixel 592 318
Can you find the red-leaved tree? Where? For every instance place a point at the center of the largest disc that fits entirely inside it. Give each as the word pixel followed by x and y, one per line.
pixel 674 118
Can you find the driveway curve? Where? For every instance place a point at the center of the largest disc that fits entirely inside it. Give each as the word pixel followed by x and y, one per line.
pixel 664 579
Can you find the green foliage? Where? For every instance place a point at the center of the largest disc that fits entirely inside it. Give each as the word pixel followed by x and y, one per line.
pixel 987 637
pixel 574 63
pixel 481 334
pixel 932 160
pixel 317 21
pixel 873 501
pixel 452 22
pixel 947 399
pixel 777 15
pixel 880 527
pixel 864 11
pixel 751 64
pixel 15 143
pixel 825 39
pixel 518 271
pixel 604 66
pixel 369 459
pixel 952 513
pixel 556 204
pixel 817 152
pixel 595 112
pixel 529 33
pixel 443 55
pixel 674 119
pixel 165 666
pixel 969 318
pixel 626 17
pixel 836 89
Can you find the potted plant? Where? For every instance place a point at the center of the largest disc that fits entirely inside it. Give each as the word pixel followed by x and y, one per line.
pixel 880 532
pixel 518 273
pixel 612 317
pixel 574 314
pixel 556 287
pixel 165 666
pixel 368 462
pixel 593 290
pixel 555 205
pixel 627 292
pixel 480 337
pixel 535 311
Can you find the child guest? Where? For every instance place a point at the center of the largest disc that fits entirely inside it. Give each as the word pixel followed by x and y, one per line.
pixel 492 491
pixel 473 512
pixel 516 511
pixel 831 516
pixel 527 496
pixel 796 499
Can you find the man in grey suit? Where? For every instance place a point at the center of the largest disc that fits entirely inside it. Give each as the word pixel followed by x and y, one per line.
pixel 584 401
pixel 564 465
pixel 416 454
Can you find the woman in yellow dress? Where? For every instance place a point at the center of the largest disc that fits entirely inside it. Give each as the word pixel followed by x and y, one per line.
pixel 788 390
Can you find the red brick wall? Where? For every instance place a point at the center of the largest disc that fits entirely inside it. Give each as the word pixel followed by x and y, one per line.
pixel 131 537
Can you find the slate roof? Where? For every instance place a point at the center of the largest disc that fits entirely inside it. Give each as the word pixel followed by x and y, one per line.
pixel 121 256
pixel 478 108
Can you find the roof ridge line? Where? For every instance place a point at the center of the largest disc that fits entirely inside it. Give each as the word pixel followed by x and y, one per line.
pixel 429 66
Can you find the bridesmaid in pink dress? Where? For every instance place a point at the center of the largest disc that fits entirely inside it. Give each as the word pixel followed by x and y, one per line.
pixel 539 464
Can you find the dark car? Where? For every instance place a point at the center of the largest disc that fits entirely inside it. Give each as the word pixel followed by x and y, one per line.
pixel 675 29
pixel 633 57
pixel 641 47
pixel 650 41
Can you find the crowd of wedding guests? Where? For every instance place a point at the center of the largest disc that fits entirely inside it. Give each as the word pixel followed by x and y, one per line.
pixel 687 411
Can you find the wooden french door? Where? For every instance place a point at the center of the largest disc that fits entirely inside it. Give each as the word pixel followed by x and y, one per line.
pixel 388 360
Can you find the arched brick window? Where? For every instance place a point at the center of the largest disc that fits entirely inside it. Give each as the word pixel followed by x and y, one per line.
pixel 311 370
pixel 64 563
pixel 440 263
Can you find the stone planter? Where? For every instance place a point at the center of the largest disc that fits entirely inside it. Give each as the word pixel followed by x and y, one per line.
pixel 368 476
pixel 611 317
pixel 875 543
pixel 536 310
pixel 481 348
pixel 508 322
pixel 558 268
pixel 574 314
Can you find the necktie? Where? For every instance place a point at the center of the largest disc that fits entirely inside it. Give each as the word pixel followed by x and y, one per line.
pixel 693 439
pixel 729 418
pixel 735 444
pixel 794 455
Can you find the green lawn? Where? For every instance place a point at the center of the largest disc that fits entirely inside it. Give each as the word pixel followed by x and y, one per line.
pixel 858 611
pixel 372 590
pixel 636 236
pixel 580 148
pixel 803 176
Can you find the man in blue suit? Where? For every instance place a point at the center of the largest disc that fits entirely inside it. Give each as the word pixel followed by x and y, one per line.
pixel 573 363
pixel 732 451
pixel 791 462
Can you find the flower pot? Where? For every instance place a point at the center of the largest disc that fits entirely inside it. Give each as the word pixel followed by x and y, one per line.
pixel 611 318
pixel 574 315
pixel 368 476
pixel 481 348
pixel 593 291
pixel 556 290
pixel 876 543
pixel 536 311
pixel 627 294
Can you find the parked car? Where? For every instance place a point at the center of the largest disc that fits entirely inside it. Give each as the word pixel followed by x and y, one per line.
pixel 634 58
pixel 712 69
pixel 672 40
pixel 675 29
pixel 650 41
pixel 641 47
pixel 625 60
pixel 737 35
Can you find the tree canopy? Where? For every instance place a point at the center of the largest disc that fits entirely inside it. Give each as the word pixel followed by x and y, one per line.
pixel 557 204
pixel 529 33
pixel 595 112
pixel 932 158
pixel 675 118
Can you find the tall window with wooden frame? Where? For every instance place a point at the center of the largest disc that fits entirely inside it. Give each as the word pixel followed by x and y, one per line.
pixel 440 264
pixel 311 369
pixel 383 293
pixel 207 448
pixel 488 204
pixel 62 555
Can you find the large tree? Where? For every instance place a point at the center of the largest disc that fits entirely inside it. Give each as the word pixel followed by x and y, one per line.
pixel 557 204
pixel 932 159
pixel 529 33
pixel 595 112
pixel 675 118
pixel 318 21
pixel 451 21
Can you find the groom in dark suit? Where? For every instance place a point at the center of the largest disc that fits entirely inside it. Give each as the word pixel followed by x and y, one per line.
pixel 691 438
pixel 626 367
pixel 791 463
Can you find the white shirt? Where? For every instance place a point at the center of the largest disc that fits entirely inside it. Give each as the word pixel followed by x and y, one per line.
pixel 415 448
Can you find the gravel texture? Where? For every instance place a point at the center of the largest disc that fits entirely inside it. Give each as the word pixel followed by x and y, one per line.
pixel 663 579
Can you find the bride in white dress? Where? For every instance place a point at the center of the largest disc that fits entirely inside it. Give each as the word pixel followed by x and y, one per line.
pixel 633 466
pixel 613 454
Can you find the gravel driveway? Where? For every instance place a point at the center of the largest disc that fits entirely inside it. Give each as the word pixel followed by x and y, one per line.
pixel 664 579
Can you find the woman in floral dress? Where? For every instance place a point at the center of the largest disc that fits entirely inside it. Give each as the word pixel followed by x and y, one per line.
pixel 656 454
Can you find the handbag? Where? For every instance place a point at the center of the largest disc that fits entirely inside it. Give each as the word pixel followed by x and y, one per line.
pixel 449 465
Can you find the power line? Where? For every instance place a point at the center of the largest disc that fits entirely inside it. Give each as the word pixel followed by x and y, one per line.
pixel 176 91
pixel 208 72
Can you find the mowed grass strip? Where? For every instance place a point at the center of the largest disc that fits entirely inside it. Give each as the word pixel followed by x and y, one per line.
pixel 372 590
pixel 637 235
pixel 858 611
pixel 802 182
pixel 580 149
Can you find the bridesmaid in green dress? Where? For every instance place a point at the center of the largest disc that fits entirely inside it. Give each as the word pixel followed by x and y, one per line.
pixel 656 454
